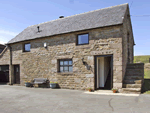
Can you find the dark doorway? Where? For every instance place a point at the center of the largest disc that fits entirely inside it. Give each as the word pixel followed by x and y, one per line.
pixel 16 74
pixel 4 73
pixel 104 72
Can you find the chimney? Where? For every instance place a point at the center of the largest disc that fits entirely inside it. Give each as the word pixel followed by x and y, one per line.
pixel 61 16
pixel 38 28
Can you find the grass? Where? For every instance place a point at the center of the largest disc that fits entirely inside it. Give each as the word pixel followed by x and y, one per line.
pixel 146 74
pixel 147 92
pixel 146 85
pixel 142 59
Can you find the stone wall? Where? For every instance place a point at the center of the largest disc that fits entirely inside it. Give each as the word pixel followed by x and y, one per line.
pixel 43 62
pixel 147 66
pixel 136 69
pixel 127 32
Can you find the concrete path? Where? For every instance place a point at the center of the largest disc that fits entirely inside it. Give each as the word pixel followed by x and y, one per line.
pixel 19 99
pixel 109 92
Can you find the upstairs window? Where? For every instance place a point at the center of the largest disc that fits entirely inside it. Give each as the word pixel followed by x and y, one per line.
pixel 27 47
pixel 83 39
pixel 65 65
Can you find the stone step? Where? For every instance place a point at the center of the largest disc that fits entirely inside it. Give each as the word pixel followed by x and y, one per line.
pixel 132 85
pixel 133 77
pixel 138 81
pixel 131 90
pixel 132 81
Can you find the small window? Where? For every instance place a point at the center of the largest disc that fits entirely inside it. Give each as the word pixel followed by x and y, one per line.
pixel 65 65
pixel 83 39
pixel 27 47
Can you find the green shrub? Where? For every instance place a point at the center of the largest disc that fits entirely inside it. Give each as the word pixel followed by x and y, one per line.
pixel 146 73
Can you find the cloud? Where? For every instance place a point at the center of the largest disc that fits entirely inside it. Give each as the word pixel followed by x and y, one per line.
pixel 1 42
pixel 8 33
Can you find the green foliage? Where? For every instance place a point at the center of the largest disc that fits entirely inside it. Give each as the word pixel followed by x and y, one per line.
pixel 115 89
pixel 142 59
pixel 147 92
pixel 146 73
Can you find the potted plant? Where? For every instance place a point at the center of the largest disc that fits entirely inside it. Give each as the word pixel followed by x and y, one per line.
pixel 114 90
pixel 28 83
pixel 53 84
pixel 90 89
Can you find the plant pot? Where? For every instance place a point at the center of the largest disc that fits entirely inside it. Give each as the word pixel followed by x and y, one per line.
pixel 114 91
pixel 28 84
pixel 52 85
pixel 90 90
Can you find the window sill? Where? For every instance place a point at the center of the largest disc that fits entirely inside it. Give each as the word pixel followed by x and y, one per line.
pixel 82 44
pixel 65 73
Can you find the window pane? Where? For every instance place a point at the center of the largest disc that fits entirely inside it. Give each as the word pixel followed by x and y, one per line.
pixel 65 62
pixel 61 69
pixel 70 62
pixel 83 39
pixel 65 68
pixel 70 68
pixel 61 62
pixel 65 65
pixel 27 47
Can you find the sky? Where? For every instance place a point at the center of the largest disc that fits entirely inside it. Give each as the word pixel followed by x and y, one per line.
pixel 16 15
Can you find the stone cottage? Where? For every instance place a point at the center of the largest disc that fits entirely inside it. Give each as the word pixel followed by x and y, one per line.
pixel 92 49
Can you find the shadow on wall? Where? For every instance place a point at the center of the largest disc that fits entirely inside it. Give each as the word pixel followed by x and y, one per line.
pixel 146 85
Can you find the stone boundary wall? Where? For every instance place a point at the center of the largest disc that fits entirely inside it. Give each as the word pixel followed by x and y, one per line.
pixel 136 69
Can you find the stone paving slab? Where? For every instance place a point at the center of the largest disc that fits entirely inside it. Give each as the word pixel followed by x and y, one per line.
pixel 116 94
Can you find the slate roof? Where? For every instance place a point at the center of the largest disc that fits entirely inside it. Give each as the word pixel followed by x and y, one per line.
pixel 89 20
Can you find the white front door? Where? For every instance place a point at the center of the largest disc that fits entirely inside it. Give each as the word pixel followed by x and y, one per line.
pixel 100 72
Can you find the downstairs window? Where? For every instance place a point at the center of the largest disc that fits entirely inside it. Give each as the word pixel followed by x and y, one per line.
pixel 65 65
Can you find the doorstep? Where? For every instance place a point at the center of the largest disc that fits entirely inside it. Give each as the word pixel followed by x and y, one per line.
pixel 109 92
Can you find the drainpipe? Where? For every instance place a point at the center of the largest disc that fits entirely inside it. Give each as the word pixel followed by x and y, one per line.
pixel 10 66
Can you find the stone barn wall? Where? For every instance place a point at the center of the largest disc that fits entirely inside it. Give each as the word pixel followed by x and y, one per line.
pixel 43 62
